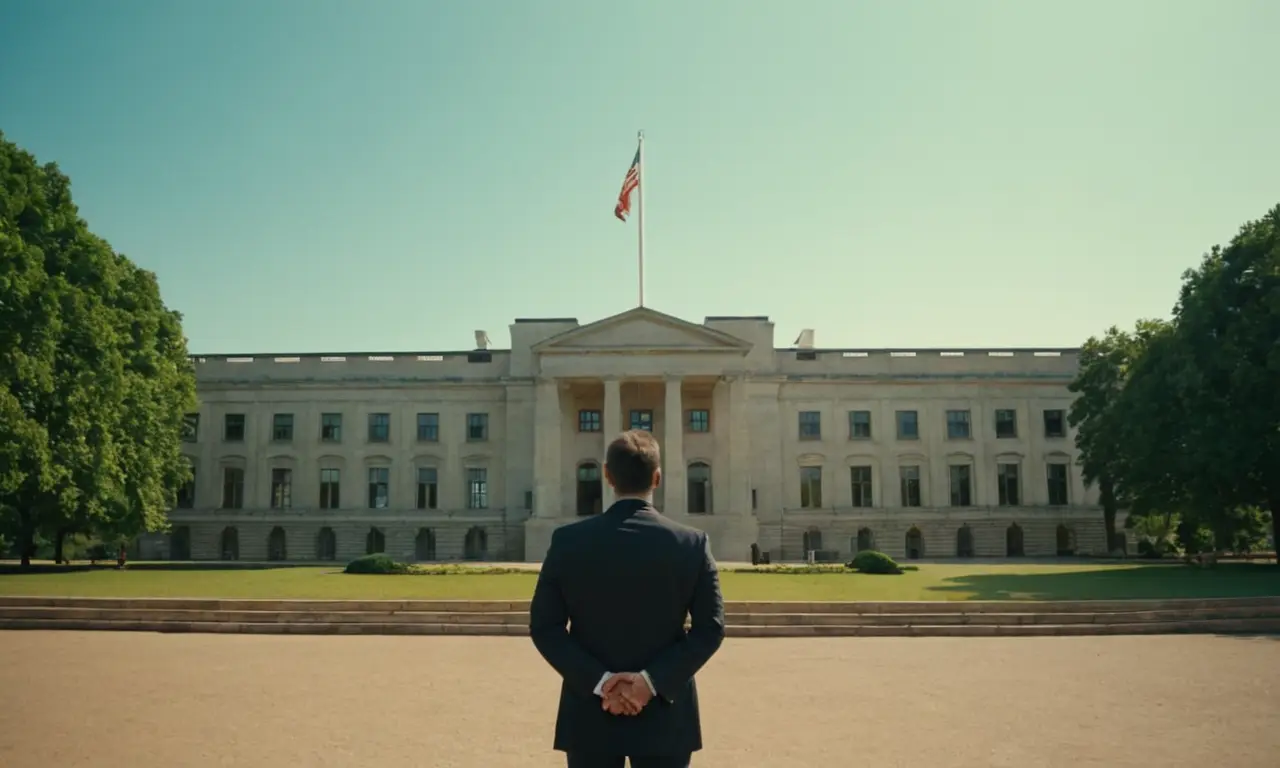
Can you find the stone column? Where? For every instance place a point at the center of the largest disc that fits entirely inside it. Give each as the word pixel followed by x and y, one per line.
pixel 547 444
pixel 739 449
pixel 611 424
pixel 673 469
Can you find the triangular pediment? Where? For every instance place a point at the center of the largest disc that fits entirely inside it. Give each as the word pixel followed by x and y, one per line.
pixel 643 330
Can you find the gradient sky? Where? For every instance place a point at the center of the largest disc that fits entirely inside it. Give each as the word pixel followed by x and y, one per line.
pixel 312 175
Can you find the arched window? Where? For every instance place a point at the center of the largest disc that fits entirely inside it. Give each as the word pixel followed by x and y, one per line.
pixel 590 489
pixel 865 540
pixel 1066 541
pixel 424 545
pixel 375 541
pixel 915 544
pixel 1013 540
pixel 699 499
pixel 476 544
pixel 180 543
pixel 964 541
pixel 812 541
pixel 229 545
pixel 326 544
pixel 276 549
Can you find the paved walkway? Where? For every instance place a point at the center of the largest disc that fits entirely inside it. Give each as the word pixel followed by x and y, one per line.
pixel 142 700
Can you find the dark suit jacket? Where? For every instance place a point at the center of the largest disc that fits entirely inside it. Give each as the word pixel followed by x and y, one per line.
pixel 624 581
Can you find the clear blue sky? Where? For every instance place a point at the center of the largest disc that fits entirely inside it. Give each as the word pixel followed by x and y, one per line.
pixel 320 175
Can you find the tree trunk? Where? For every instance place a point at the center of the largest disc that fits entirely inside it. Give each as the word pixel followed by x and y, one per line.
pixel 57 545
pixel 26 538
pixel 1275 526
pixel 1108 499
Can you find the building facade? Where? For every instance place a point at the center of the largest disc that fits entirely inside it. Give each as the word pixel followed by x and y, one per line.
pixel 480 455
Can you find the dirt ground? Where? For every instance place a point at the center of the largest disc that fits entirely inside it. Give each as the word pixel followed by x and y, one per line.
pixel 143 700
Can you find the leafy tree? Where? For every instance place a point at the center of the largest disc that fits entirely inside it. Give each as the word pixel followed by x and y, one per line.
pixel 1228 319
pixel 94 370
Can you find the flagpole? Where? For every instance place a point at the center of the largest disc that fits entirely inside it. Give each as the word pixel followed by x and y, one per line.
pixel 640 209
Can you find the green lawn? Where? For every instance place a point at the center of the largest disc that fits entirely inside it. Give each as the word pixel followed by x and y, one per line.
pixel 931 582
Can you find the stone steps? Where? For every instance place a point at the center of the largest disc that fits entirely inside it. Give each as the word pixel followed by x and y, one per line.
pixel 746 619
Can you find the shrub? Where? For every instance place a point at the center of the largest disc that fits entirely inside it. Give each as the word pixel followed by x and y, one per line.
pixel 379 562
pixel 871 561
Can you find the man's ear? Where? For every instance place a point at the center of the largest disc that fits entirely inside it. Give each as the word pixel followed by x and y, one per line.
pixel 657 478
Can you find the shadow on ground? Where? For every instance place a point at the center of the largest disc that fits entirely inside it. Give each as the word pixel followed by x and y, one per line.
pixel 1162 583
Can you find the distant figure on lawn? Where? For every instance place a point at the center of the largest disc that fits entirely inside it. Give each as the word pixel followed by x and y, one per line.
pixel 624 581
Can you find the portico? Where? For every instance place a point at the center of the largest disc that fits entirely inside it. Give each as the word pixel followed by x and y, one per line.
pixel 685 383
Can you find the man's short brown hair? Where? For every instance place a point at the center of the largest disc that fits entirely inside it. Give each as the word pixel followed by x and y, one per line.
pixel 632 459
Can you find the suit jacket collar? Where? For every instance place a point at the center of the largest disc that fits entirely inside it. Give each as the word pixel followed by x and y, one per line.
pixel 627 507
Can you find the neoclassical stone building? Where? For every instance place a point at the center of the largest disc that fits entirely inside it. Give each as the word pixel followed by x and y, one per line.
pixel 481 454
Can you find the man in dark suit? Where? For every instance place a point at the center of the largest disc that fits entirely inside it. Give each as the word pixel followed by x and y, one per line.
pixel 624 581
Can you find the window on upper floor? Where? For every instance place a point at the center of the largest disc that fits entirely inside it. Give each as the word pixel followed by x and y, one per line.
pixel 588 420
pixel 958 425
pixel 859 425
pixel 477 488
pixel 281 488
pixel 1055 422
pixel 331 427
pixel 187 492
pixel 908 425
pixel 428 427
pixel 699 420
pixel 477 427
pixel 810 425
pixel 232 488
pixel 191 427
pixel 330 487
pixel 379 487
pixel 1006 422
pixel 428 488
pixel 282 427
pixel 379 427
pixel 233 427
pixel 1057 480
pixel 909 484
pixel 642 419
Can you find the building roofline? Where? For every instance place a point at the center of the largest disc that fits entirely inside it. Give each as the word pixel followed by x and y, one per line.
pixel 519 320
pixel 932 350
pixel 402 353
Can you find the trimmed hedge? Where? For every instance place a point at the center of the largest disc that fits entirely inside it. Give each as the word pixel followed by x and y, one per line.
pixel 871 561
pixel 379 562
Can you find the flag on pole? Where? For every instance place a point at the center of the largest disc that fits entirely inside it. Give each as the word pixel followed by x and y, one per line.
pixel 629 183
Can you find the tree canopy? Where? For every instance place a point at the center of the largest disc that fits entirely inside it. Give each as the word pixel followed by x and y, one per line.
pixel 1183 417
pixel 96 378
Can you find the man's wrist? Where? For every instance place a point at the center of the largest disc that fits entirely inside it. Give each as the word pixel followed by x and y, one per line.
pixel 599 691
pixel 649 682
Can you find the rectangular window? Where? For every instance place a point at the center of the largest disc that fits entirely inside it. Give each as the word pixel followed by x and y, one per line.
pixel 588 420
pixel 233 427
pixel 859 425
pixel 281 489
pixel 477 427
pixel 958 425
pixel 811 487
pixel 428 427
pixel 330 482
pixel 699 420
pixel 1055 423
pixel 642 419
pixel 331 427
pixel 190 427
pixel 810 425
pixel 427 485
pixel 282 427
pixel 1057 477
pixel 379 487
pixel 1006 422
pixel 909 484
pixel 379 427
pixel 908 425
pixel 477 488
pixel 187 492
pixel 232 488
pixel 961 485
pixel 860 480
pixel 1007 485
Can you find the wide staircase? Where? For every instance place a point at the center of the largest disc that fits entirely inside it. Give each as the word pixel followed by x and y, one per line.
pixel 1259 615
